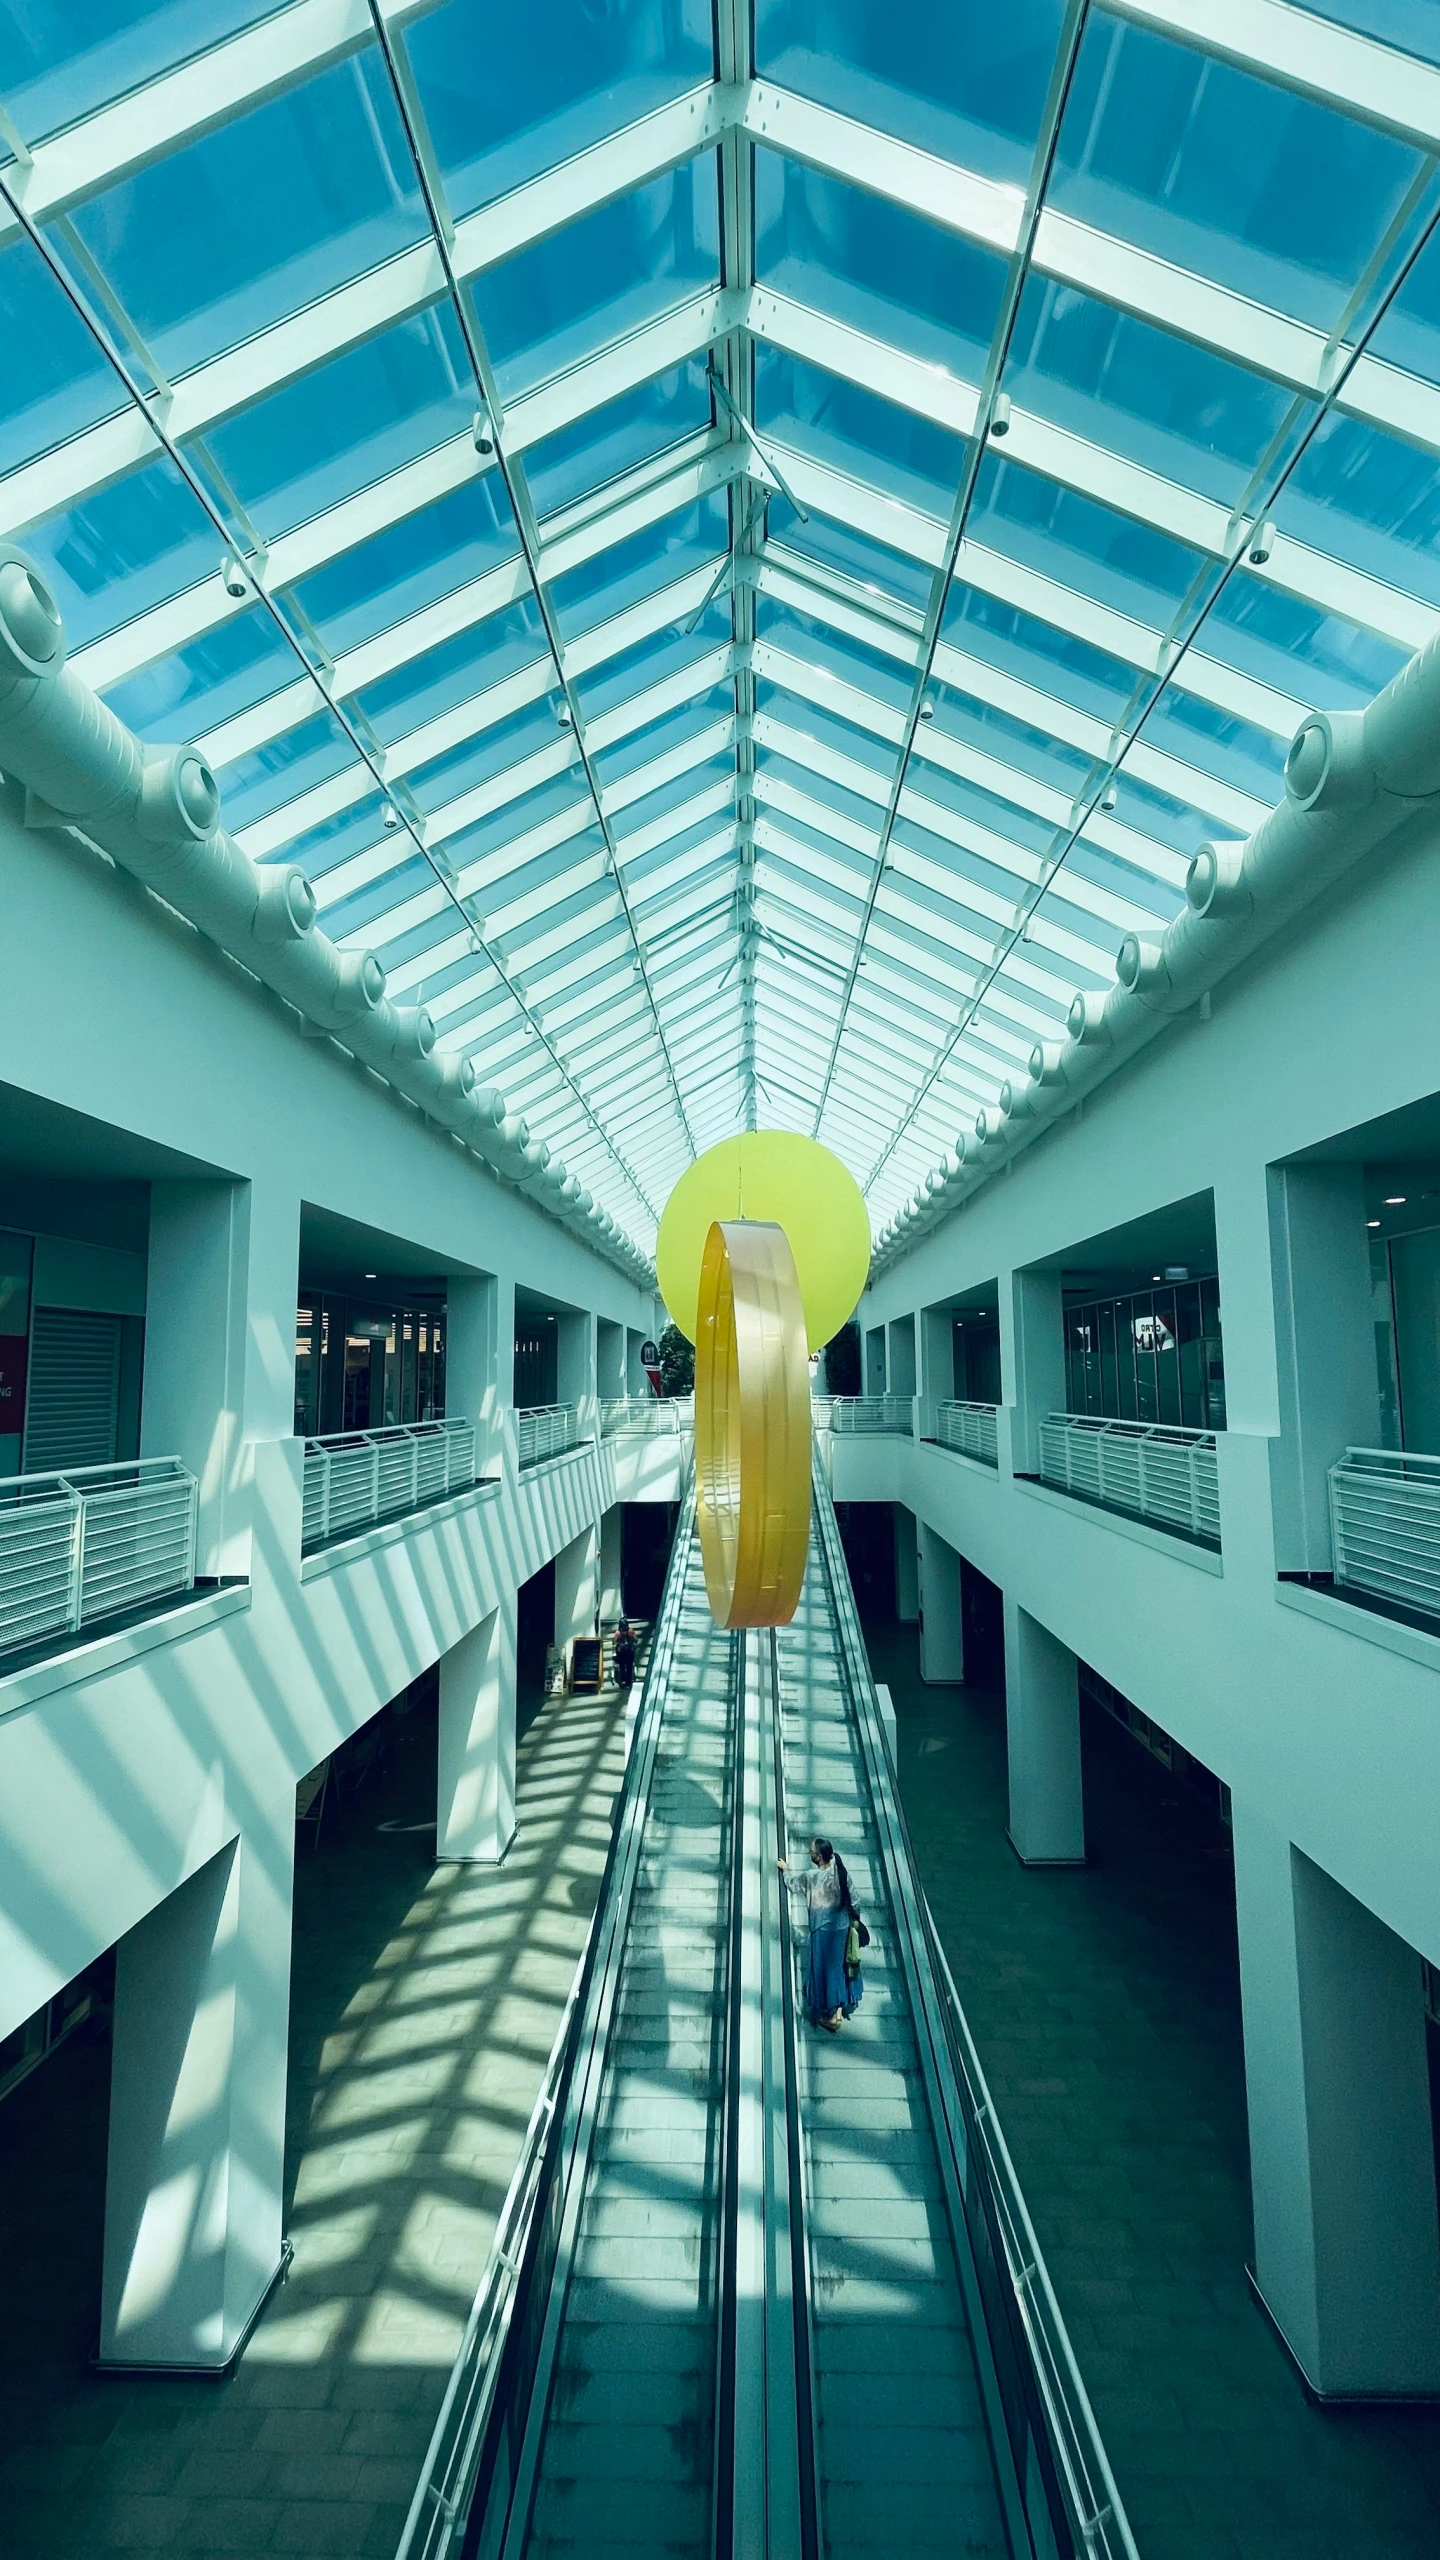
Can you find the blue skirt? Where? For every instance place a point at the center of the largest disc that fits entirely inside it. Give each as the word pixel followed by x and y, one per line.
pixel 826 1988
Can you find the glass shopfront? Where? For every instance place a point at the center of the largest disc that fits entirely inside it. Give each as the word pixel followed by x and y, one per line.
pixel 361 1364
pixel 1152 1356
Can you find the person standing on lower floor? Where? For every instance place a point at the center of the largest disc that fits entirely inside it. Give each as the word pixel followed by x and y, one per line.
pixel 832 1987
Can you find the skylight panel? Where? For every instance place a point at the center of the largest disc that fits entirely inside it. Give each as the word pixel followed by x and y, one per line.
pixel 435 680
pixel 879 575
pixel 410 564
pixel 350 422
pixel 328 189
pixel 833 420
pixel 623 575
pixel 875 266
pixel 1277 196
pixel 508 98
pixel 644 423
pixel 600 278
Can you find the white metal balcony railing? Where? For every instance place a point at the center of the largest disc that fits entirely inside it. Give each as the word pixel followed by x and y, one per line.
pixel 1153 1471
pixel 648 1417
pixel 865 1413
pixel 1385 1522
pixel 353 1478
pixel 970 1428
pixel 544 1430
pixel 86 1544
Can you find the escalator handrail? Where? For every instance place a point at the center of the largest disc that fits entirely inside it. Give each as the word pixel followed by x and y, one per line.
pixel 459 2457
pixel 807 2448
pixel 1093 2516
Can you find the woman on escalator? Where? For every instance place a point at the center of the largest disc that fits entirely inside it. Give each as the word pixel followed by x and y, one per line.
pixel 833 1981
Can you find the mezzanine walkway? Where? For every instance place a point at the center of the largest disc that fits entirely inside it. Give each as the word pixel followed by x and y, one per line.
pixel 425 2003
pixel 1105 2003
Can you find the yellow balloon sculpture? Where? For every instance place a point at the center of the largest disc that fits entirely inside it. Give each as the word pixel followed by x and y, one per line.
pixel 762 1254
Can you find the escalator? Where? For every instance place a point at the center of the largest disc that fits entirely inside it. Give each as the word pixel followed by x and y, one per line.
pixel 758 2289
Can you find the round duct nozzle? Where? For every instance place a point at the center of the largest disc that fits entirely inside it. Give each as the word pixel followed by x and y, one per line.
pixel 1307 762
pixel 179 798
pixel 361 987
pixel 32 635
pixel 286 909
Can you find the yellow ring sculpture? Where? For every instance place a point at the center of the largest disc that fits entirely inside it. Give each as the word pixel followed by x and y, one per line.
pixel 752 1425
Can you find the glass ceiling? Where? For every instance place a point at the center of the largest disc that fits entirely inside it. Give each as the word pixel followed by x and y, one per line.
pixel 765 539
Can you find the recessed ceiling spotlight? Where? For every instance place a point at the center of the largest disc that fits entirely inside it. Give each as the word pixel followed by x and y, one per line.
pixel 1372 1222
pixel 1395 1200
pixel 371 1275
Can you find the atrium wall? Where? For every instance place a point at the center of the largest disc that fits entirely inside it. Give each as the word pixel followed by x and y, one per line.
pixel 1318 1714
pixel 147 1777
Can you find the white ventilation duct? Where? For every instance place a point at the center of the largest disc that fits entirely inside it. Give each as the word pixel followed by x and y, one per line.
pixel 1351 780
pixel 156 811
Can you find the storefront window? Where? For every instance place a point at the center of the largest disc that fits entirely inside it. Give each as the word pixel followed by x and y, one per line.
pixel 1154 1356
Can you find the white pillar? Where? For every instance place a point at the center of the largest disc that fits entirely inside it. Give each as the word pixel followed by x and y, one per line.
pixel 1042 1724
pixel 195 2180
pixel 1347 2249
pixel 942 1643
pixel 907 1567
pixel 472 1363
pixel 612 1529
pixel 475 1804
pixel 609 1359
pixel 936 1383
pixel 577 1586
pixel 1329 1392
pixel 1034 1358
pixel 900 1357
pixel 221 1285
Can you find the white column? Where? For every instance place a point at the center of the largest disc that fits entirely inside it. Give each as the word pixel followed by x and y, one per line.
pixel 609 1360
pixel 900 1360
pixel 1032 1350
pixel 221 1286
pixel 937 1362
pixel 195 2180
pixel 612 1533
pixel 577 1586
pixel 1042 1724
pixel 907 1567
pixel 475 1805
pixel 1329 1394
pixel 942 1643
pixel 1347 2249
pixel 472 1363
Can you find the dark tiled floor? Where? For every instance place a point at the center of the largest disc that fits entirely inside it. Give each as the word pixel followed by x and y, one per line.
pixel 425 2003
pixel 1105 2004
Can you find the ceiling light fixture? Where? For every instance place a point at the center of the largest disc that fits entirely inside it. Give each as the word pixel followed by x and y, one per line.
pixel 235 575
pixel 1000 415
pixel 390 817
pixel 1395 1200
